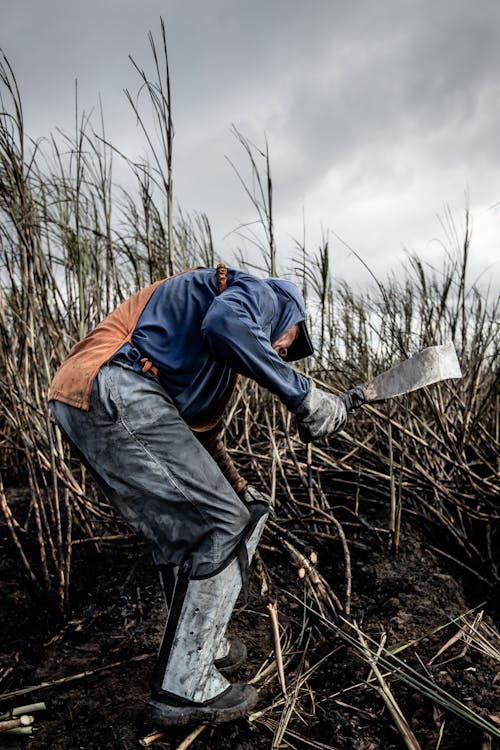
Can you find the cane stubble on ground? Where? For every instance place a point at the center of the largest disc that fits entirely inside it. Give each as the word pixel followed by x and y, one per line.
pixel 117 616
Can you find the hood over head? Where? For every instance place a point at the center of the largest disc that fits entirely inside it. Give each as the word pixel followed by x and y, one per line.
pixel 291 310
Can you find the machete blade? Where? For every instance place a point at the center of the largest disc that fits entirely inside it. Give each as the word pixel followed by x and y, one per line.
pixel 428 366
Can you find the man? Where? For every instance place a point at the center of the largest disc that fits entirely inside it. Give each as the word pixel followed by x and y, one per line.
pixel 141 397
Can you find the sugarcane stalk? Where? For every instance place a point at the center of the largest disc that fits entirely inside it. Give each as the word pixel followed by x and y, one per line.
pixel 390 701
pixel 73 677
pixel 21 730
pixel 272 608
pixel 20 721
pixel 31 708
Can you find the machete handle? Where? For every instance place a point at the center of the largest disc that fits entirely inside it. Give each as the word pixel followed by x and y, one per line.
pixel 354 398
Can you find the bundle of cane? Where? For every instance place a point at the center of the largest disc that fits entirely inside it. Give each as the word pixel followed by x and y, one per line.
pixel 20 720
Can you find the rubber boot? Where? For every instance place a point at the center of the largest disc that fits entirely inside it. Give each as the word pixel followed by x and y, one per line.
pixel 231 654
pixel 187 686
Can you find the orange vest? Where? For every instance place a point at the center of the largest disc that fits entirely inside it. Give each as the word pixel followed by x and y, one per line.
pixel 72 383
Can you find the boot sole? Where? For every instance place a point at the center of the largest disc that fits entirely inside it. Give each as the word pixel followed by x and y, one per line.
pixel 164 715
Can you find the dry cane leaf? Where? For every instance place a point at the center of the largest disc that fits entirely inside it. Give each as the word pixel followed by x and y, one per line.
pixel 447 645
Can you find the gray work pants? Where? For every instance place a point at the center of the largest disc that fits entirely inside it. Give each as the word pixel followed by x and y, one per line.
pixel 155 472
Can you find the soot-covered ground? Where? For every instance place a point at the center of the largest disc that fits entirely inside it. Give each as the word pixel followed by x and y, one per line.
pixel 116 622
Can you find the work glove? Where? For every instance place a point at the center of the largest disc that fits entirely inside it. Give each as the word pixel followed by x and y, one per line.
pixel 251 495
pixel 354 398
pixel 320 414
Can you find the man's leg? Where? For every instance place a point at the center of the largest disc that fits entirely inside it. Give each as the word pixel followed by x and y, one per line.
pixel 155 472
pixel 231 652
pixel 187 686
pixel 169 490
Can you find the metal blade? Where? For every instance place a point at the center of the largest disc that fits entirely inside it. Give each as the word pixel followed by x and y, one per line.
pixel 428 366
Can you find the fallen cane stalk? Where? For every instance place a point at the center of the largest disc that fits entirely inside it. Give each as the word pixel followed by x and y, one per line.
pixel 150 739
pixel 191 737
pixel 273 614
pixel 31 708
pixel 73 677
pixel 21 721
pixel 389 699
pixel 21 730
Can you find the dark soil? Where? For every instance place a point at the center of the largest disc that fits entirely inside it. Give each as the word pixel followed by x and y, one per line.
pixel 117 620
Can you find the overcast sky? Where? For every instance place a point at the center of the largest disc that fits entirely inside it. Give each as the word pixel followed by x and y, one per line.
pixel 378 115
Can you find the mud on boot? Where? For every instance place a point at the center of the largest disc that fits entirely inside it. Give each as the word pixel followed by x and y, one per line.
pixel 237 701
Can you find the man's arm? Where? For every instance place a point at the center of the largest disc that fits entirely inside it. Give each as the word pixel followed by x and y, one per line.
pixel 237 328
pixel 212 441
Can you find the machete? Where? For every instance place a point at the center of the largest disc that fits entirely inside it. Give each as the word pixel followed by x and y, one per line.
pixel 428 366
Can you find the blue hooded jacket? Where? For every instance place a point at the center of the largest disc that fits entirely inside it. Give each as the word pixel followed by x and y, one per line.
pixel 198 338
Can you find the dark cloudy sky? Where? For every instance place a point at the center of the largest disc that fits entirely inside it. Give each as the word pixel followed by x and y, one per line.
pixel 379 115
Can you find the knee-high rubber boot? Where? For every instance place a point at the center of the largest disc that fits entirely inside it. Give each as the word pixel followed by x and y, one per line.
pixel 231 652
pixel 187 686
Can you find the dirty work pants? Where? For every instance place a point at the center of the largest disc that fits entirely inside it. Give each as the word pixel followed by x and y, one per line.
pixel 154 471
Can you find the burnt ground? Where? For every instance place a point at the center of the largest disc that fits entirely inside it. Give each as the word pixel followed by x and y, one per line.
pixel 116 622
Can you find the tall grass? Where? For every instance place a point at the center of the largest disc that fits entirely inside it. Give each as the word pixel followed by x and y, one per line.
pixel 73 245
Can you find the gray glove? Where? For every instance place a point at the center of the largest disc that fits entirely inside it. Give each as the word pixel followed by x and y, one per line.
pixel 354 398
pixel 251 495
pixel 254 499
pixel 320 414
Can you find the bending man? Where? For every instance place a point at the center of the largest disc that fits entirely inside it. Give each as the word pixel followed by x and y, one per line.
pixel 141 398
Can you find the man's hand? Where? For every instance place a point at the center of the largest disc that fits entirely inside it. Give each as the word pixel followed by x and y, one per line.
pixel 251 495
pixel 354 398
pixel 320 414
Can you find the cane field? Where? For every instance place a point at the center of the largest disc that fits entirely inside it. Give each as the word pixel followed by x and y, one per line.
pixel 372 613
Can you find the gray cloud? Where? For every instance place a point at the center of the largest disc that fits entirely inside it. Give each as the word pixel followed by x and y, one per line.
pixel 424 80
pixel 377 114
